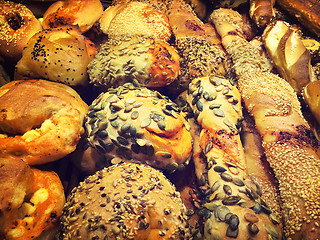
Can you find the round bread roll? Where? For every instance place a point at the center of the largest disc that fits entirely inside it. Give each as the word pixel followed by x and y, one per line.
pixel 139 125
pixel 17 26
pixel 40 121
pixel 135 18
pixel 125 201
pixel 153 63
pixel 60 54
pixel 31 201
pixel 83 13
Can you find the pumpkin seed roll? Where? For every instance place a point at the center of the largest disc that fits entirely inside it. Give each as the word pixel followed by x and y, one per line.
pixel 233 206
pixel 137 124
pixel 151 62
pixel 125 201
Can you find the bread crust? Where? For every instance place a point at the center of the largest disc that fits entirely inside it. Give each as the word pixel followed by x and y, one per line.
pixel 17 26
pixel 45 122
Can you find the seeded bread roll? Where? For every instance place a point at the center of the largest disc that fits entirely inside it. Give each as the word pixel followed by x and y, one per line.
pixel 32 200
pixel 83 13
pixel 17 26
pixel 135 18
pixel 40 121
pixel 125 201
pixel 151 62
pixel 139 125
pixel 233 199
pixel 60 54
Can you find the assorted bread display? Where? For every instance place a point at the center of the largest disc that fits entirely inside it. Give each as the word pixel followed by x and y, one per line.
pixel 160 119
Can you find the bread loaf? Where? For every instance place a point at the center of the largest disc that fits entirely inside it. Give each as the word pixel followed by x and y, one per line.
pixel 290 147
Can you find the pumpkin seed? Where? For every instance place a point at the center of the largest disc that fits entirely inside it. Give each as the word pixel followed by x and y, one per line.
pixel 231 200
pixel 162 124
pixel 145 122
pixel 218 112
pixel 219 169
pixel 227 189
pixel 253 228
pixel 226 177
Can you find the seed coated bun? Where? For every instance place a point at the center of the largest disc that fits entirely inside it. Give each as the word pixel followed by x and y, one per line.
pixel 135 18
pixel 139 125
pixel 153 63
pixel 17 26
pixel 83 13
pixel 60 54
pixel 40 121
pixel 125 201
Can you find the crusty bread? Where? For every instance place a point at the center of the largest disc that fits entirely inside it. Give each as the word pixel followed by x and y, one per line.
pixel 151 62
pixel 288 53
pixel 290 146
pixel 125 201
pixel 59 54
pixel 83 13
pixel 135 18
pixel 40 121
pixel 140 125
pixel 307 13
pixel 33 200
pixel 232 197
pixel 17 26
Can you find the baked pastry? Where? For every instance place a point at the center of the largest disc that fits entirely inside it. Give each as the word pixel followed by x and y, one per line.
pixel 199 56
pixel 232 206
pixel 17 26
pixel 31 201
pixel 311 97
pixel 131 201
pixel 135 18
pixel 289 144
pixel 140 125
pixel 152 63
pixel 83 13
pixel 306 12
pixel 40 121
pixel 60 54
pixel 261 12
pixel 289 55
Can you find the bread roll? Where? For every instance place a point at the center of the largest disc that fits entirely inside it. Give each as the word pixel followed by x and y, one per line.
pixel 125 201
pixel 151 62
pixel 83 13
pixel 139 125
pixel 40 121
pixel 17 26
pixel 135 18
pixel 289 144
pixel 261 12
pixel 33 200
pixel 59 54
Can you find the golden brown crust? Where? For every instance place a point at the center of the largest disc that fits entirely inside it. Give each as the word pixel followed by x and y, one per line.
pixel 44 123
pixel 151 62
pixel 132 201
pixel 143 126
pixel 312 98
pixel 17 26
pixel 288 53
pixel 83 13
pixel 307 12
pixel 135 18
pixel 261 12
pixel 35 209
pixel 58 54
pixel 229 198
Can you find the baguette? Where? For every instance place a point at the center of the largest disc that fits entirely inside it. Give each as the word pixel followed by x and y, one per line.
pixel 198 57
pixel 232 205
pixel 290 147
pixel 307 12
pixel 288 53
